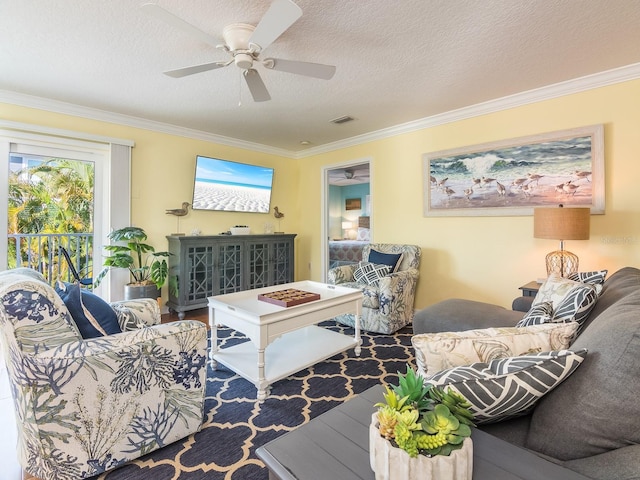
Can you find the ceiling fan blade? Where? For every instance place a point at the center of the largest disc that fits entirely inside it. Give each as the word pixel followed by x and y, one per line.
pixel 316 70
pixel 280 16
pixel 170 19
pixel 256 86
pixel 205 67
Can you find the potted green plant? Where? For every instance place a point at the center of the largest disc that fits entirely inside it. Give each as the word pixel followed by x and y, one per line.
pixel 148 268
pixel 421 431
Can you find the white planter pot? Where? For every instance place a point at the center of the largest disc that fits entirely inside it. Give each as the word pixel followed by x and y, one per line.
pixel 393 463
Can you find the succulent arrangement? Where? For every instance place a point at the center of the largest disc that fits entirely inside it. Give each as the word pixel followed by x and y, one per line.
pixel 423 419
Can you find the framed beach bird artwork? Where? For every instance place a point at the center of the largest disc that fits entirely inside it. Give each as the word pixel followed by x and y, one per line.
pixel 512 177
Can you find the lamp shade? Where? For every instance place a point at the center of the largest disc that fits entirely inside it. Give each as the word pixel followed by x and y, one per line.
pixel 561 223
pixel 346 225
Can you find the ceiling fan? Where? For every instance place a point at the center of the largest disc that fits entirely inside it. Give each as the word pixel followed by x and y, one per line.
pixel 244 43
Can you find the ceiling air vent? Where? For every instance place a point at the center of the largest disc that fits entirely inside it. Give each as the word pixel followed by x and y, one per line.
pixel 341 120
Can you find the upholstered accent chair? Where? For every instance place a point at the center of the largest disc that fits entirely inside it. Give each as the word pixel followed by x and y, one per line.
pixel 388 296
pixel 84 406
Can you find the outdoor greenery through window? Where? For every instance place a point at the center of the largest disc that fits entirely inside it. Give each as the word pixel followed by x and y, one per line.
pixel 50 206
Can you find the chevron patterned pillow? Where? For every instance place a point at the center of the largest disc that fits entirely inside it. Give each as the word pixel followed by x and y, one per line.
pixel 509 387
pixel 572 301
pixel 595 278
pixel 537 315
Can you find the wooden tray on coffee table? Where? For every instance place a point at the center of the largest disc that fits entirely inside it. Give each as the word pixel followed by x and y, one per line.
pixel 288 297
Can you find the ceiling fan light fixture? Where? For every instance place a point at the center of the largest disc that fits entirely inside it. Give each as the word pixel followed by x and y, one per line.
pixel 236 36
pixel 243 60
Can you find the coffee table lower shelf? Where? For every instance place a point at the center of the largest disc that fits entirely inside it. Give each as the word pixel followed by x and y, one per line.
pixel 292 352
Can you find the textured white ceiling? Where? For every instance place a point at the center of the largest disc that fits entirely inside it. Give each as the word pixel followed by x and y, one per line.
pixel 397 61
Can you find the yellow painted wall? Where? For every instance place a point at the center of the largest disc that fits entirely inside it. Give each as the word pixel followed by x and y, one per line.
pixel 481 258
pixel 163 167
pixel 488 258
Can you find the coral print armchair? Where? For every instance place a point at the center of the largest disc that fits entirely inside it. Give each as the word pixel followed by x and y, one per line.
pixel 387 276
pixel 85 405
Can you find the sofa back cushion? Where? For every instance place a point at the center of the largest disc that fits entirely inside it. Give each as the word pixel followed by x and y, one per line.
pixel 597 408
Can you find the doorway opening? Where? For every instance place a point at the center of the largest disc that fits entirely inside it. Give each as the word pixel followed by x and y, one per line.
pixel 347 206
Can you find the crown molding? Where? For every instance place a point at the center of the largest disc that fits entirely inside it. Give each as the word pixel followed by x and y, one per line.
pixel 57 106
pixel 589 82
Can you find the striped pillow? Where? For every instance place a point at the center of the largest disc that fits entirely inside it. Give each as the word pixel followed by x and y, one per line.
pixel 509 387
pixel 370 273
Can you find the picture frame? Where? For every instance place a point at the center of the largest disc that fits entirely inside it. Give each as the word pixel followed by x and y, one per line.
pixel 512 177
pixel 353 204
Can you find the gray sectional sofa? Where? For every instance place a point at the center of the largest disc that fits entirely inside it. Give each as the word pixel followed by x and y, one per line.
pixel 590 423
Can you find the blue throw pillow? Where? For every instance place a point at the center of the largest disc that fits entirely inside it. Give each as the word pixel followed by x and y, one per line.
pixel 391 259
pixel 92 315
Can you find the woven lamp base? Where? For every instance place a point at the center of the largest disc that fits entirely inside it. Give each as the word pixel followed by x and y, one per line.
pixel 562 262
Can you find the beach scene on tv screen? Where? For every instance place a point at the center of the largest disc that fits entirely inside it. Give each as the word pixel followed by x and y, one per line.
pixel 231 186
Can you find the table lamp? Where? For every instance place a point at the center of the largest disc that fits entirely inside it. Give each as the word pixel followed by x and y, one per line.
pixel 561 224
pixel 346 226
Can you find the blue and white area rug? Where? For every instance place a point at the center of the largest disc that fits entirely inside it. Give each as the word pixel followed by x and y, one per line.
pixel 236 424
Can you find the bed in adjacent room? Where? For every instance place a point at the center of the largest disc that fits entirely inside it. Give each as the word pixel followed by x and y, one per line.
pixel 345 252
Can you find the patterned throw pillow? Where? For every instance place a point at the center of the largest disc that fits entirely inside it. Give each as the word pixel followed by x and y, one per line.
pixel 509 387
pixel 576 305
pixel 572 301
pixel 363 235
pixel 437 351
pixel 537 315
pixel 595 278
pixel 370 273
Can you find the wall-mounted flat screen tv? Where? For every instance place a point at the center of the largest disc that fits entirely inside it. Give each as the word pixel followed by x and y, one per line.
pixel 231 186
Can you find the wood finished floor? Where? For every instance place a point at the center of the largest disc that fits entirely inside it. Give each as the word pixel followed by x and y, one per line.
pixel 11 468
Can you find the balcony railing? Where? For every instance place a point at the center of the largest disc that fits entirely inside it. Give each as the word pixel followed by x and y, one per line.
pixel 40 252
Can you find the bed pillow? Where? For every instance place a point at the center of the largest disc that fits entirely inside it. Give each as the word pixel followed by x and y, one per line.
pixel 370 273
pixel 438 351
pixel 572 301
pixel 92 315
pixel 537 315
pixel 363 234
pixel 509 387
pixel 391 259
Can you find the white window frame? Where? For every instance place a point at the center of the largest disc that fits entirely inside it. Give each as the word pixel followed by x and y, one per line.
pixel 112 197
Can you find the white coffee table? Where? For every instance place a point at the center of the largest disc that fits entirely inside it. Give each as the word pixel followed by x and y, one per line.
pixel 283 340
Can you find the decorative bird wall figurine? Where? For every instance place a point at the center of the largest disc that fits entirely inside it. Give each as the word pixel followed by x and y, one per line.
pixel 180 212
pixel 279 215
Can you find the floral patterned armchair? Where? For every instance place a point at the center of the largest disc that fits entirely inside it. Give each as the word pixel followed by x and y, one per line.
pixel 387 306
pixel 86 406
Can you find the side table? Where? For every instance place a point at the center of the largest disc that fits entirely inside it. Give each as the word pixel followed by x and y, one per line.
pixel 530 289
